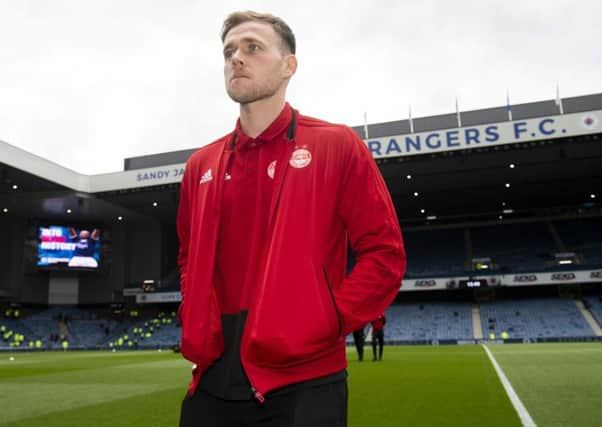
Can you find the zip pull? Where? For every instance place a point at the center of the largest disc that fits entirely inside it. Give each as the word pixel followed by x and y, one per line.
pixel 257 395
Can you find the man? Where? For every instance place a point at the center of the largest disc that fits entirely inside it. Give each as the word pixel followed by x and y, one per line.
pixel 265 216
pixel 378 336
pixel 85 245
pixel 358 340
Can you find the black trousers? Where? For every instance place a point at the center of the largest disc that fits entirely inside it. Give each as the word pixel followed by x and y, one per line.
pixel 318 406
pixel 358 340
pixel 378 337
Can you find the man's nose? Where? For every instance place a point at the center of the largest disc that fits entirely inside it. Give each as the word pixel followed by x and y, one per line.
pixel 237 58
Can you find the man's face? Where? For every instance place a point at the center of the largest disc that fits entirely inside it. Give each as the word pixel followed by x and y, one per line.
pixel 84 234
pixel 255 64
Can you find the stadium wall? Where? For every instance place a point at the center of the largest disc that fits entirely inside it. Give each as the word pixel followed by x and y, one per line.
pixel 134 254
pixel 8 258
pixel 31 288
pixel 144 249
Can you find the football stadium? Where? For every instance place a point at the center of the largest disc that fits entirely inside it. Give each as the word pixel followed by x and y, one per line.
pixel 497 321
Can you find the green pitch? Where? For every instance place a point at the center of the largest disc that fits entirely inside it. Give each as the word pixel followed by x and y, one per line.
pixel 559 384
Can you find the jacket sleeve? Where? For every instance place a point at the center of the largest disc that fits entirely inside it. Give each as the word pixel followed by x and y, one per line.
pixel 367 211
pixel 183 227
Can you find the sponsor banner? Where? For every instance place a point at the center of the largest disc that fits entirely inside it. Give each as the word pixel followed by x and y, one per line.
pixel 550 278
pixel 596 274
pixel 423 284
pixel 158 297
pixel 160 175
pixel 436 283
pixel 487 135
pixel 130 292
pixel 522 279
pixel 439 283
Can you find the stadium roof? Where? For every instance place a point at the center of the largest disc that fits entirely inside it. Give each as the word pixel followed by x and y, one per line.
pixel 424 124
pixel 485 116
pixel 552 175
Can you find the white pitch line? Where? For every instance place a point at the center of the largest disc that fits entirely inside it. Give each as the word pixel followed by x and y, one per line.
pixel 523 414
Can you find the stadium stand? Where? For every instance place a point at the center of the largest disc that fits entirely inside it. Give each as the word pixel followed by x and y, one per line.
pixel 79 326
pixel 534 318
pixel 440 252
pixel 90 333
pixel 521 247
pixel 583 236
pixel 555 210
pixel 513 248
pixel 161 331
pixel 44 325
pixel 13 333
pixel 428 322
pixel 435 252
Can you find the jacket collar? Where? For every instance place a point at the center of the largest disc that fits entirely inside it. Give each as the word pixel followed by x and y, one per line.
pixel 272 132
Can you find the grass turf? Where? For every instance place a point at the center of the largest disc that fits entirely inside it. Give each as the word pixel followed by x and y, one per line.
pixel 559 384
pixel 418 386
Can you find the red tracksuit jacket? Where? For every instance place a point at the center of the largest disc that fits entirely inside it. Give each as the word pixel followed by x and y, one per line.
pixel 379 323
pixel 329 190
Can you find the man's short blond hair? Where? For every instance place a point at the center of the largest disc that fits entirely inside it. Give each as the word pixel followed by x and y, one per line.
pixel 281 27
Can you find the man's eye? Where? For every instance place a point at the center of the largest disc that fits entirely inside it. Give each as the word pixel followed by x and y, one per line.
pixel 227 54
pixel 253 47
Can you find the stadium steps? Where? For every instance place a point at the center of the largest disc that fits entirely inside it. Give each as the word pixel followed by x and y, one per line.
pixel 589 318
pixel 477 327
pixel 64 328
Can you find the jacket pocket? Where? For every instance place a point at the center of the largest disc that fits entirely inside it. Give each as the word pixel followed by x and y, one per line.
pixel 334 302
pixel 296 320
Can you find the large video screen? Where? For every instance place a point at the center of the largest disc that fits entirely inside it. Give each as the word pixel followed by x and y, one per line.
pixel 69 247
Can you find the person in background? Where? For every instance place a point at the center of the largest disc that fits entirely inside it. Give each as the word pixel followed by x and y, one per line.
pixel 85 245
pixel 358 339
pixel 378 336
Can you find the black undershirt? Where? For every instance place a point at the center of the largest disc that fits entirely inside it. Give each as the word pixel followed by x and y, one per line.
pixel 226 378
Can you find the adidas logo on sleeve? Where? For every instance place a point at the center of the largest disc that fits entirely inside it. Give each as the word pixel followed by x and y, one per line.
pixel 206 177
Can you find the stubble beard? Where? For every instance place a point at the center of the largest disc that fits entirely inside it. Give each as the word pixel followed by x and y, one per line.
pixel 254 94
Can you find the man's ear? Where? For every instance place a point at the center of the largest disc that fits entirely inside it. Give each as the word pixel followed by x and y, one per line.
pixel 290 66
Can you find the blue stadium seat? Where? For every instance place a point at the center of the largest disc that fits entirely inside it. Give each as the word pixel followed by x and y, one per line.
pixel 534 318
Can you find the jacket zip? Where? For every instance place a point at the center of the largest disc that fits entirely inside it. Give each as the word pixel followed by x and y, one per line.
pixel 257 395
pixel 220 193
pixel 334 302
pixel 283 160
